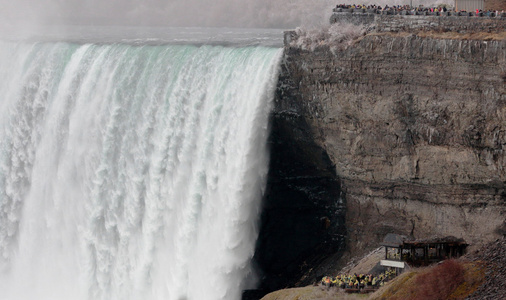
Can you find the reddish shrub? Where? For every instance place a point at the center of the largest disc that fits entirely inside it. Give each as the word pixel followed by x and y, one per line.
pixel 441 281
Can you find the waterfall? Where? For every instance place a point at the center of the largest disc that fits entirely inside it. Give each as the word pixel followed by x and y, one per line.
pixel 131 171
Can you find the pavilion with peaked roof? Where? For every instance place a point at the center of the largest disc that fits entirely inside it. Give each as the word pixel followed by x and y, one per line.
pixel 401 250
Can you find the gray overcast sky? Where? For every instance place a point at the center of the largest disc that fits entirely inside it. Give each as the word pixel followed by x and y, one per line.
pixel 235 13
pixel 218 13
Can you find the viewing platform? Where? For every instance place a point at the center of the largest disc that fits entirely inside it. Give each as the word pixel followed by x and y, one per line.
pixel 405 21
pixel 399 250
pixel 375 11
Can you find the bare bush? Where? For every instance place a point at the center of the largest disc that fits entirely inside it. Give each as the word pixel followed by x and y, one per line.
pixel 336 36
pixel 441 281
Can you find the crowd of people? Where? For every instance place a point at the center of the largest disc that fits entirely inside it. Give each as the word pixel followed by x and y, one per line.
pixel 407 9
pixel 358 282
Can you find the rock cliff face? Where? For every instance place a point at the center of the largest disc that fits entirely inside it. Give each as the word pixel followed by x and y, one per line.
pixel 303 215
pixel 414 127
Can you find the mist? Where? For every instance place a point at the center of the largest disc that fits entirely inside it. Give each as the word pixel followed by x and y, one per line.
pixel 30 14
pixel 187 13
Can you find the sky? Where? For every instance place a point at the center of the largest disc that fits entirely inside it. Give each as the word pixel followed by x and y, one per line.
pixel 188 13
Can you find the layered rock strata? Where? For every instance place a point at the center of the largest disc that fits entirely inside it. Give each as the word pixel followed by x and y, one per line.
pixel 415 126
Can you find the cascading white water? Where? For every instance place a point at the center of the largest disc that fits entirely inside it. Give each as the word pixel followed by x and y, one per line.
pixel 131 172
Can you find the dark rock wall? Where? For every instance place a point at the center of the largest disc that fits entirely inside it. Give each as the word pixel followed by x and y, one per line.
pixel 302 219
pixel 415 128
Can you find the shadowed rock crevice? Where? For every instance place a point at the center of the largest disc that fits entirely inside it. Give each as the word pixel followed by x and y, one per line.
pixel 303 215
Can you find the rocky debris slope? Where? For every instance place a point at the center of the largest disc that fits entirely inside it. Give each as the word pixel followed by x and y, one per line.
pixel 364 264
pixel 494 257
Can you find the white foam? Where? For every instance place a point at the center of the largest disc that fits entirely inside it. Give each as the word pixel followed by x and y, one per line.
pixel 131 172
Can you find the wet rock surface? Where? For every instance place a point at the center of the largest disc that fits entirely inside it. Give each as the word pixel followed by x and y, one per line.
pixel 302 219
